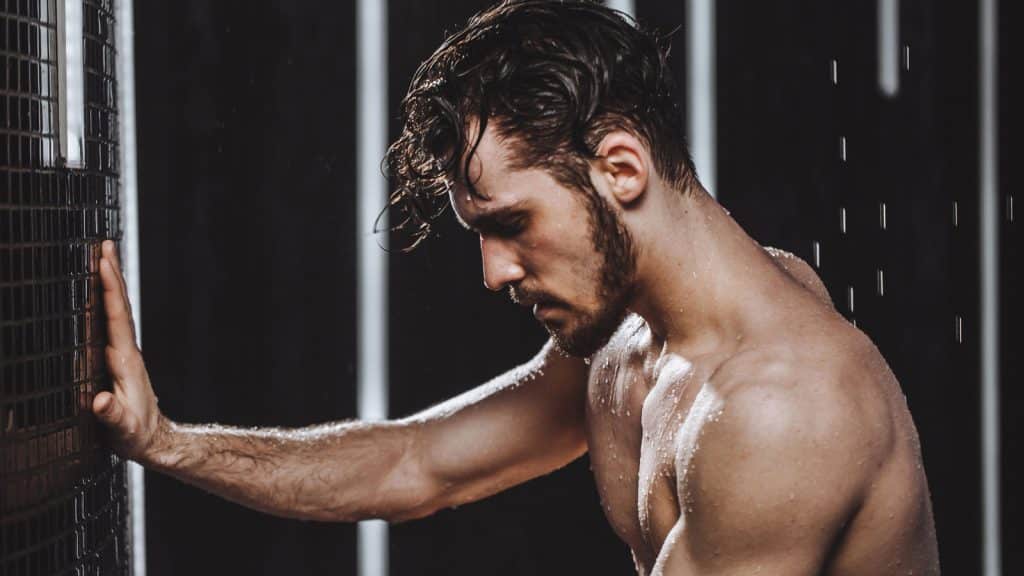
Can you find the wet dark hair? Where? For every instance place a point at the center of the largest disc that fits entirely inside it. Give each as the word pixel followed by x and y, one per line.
pixel 555 77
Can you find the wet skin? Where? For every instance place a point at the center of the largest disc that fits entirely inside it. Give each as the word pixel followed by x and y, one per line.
pixel 751 429
pixel 668 435
pixel 736 423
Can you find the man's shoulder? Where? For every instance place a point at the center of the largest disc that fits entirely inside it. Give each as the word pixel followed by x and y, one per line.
pixel 782 441
pixel 773 399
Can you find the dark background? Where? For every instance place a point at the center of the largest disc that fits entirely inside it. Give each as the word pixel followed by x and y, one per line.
pixel 246 115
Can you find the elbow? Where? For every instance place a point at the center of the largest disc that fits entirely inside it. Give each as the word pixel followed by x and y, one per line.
pixel 410 506
pixel 409 493
pixel 413 513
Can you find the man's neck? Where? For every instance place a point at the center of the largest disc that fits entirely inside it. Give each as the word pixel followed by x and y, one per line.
pixel 702 282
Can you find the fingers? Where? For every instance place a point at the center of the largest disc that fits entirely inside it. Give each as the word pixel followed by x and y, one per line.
pixel 120 333
pixel 109 250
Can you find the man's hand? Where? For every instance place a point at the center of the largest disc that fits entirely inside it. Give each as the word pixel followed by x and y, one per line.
pixel 130 411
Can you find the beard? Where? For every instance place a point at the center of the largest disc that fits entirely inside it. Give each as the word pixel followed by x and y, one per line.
pixel 588 331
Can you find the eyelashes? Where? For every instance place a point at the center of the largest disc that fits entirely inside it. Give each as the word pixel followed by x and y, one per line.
pixel 513 228
pixel 504 227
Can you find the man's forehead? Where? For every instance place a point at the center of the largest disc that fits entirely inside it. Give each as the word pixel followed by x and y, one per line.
pixel 488 157
pixel 488 167
pixel 498 185
pixel 471 209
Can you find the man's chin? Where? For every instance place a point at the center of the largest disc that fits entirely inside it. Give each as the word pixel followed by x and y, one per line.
pixel 581 343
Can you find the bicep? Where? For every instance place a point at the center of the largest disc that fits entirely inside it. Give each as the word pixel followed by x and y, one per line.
pixel 522 424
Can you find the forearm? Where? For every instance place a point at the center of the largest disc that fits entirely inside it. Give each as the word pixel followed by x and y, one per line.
pixel 342 471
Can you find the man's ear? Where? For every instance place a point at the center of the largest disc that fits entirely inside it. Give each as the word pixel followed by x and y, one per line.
pixel 623 165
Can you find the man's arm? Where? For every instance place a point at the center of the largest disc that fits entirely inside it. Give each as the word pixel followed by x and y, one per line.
pixel 777 473
pixel 524 423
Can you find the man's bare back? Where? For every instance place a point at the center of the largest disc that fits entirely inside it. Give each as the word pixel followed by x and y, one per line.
pixel 683 445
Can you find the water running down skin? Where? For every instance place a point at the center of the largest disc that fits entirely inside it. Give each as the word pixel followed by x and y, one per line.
pixel 736 423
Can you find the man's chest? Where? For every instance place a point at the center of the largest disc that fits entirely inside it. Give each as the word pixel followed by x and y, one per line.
pixel 639 404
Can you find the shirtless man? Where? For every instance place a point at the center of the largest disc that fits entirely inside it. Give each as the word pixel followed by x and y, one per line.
pixel 736 423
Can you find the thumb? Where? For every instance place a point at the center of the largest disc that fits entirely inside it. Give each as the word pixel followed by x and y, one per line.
pixel 107 408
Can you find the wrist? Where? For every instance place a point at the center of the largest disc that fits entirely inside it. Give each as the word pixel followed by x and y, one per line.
pixel 159 450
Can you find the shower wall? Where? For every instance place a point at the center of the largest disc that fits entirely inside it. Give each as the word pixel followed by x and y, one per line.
pixel 63 500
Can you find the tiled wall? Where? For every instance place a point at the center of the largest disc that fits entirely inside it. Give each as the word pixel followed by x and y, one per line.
pixel 63 503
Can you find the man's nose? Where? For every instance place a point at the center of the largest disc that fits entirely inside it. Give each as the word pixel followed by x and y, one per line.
pixel 501 266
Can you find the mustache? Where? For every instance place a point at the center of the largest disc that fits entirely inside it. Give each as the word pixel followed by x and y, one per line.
pixel 528 297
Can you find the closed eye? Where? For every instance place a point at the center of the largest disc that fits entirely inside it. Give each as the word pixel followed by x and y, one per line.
pixel 505 224
pixel 510 227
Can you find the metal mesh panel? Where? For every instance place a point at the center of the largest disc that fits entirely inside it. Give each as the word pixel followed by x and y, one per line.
pixel 63 502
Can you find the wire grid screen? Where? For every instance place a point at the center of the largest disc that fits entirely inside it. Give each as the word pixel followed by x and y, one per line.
pixel 63 498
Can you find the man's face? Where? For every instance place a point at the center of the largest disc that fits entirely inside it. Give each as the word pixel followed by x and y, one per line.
pixel 562 251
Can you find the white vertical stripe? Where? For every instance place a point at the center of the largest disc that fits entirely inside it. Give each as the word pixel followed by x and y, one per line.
pixel 130 245
pixel 73 88
pixel 372 292
pixel 988 172
pixel 627 6
pixel 700 89
pixel 889 47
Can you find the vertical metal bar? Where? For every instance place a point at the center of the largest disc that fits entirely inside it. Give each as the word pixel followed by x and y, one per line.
pixel 627 6
pixel 72 77
pixel 130 245
pixel 889 47
pixel 372 291
pixel 700 88
pixel 989 341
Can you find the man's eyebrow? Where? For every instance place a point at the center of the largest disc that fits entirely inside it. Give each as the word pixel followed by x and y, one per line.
pixel 489 219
